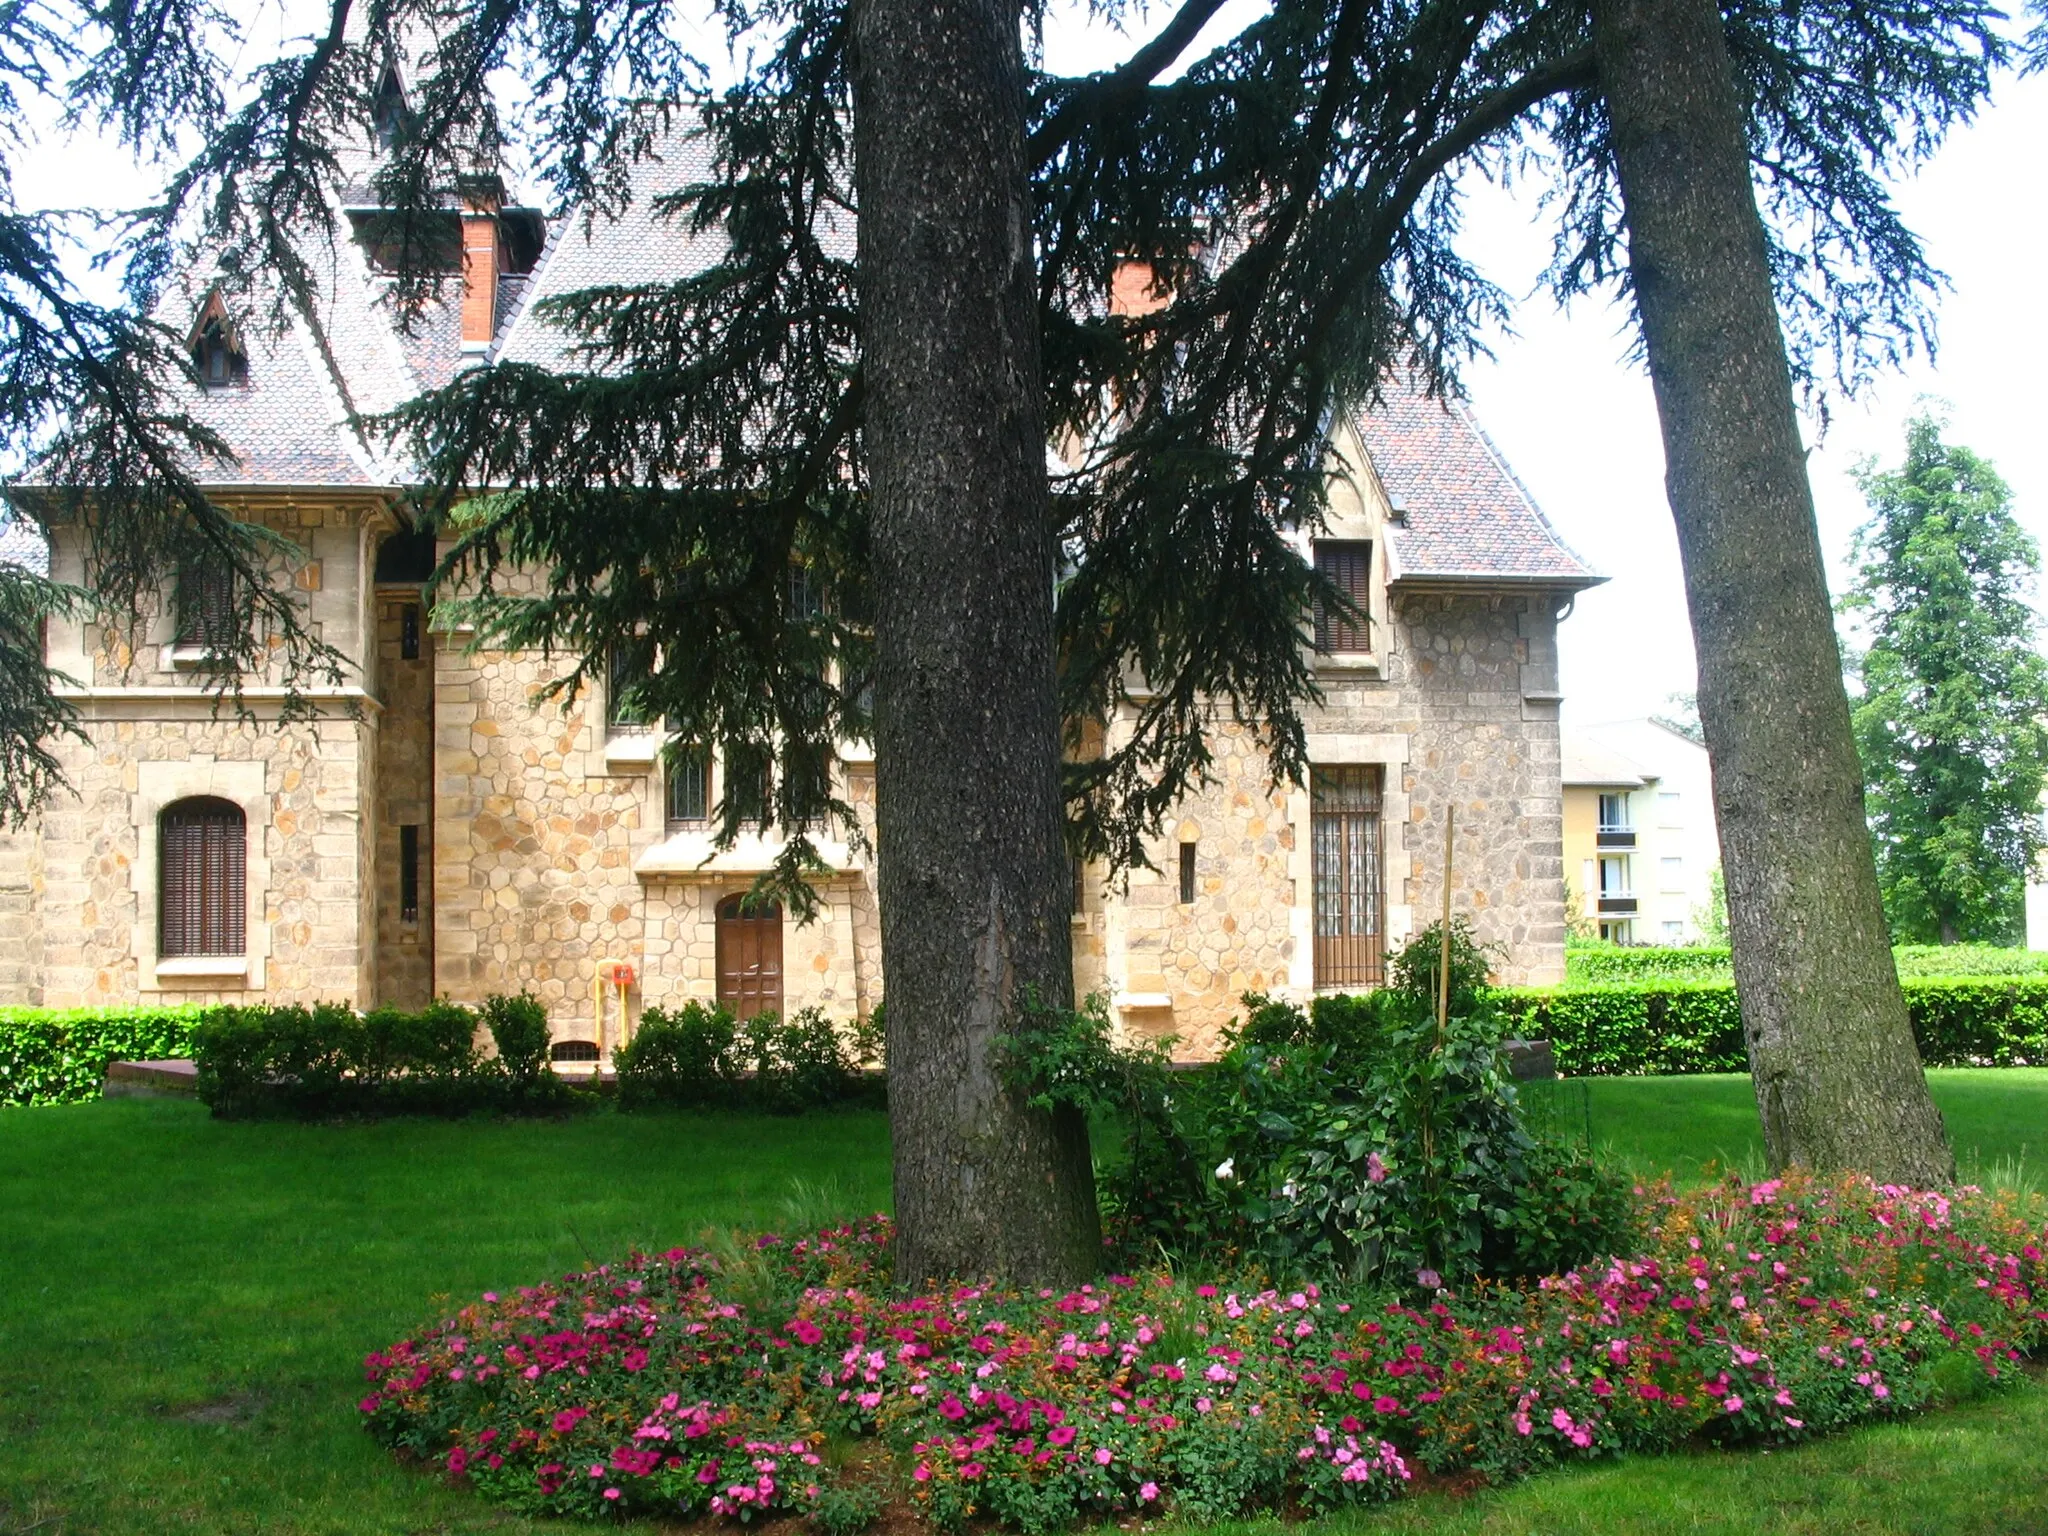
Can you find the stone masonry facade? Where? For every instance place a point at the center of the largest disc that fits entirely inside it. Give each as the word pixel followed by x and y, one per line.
pixel 431 826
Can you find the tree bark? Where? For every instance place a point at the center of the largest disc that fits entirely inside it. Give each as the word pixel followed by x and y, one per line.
pixel 973 877
pixel 1838 1079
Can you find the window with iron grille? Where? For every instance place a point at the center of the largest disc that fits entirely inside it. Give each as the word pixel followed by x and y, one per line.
pixel 689 785
pixel 1350 908
pixel 201 864
pixel 1348 567
pixel 206 604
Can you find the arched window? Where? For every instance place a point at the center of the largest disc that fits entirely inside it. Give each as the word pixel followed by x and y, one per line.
pixel 201 862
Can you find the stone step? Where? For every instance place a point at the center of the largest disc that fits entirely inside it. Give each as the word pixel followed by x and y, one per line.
pixel 173 1078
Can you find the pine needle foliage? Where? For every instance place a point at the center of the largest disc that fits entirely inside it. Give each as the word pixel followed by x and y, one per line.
pixel 1293 194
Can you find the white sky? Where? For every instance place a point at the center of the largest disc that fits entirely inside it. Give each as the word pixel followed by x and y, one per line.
pixel 1577 423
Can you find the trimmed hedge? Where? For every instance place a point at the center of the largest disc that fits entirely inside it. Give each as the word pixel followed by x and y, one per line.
pixel 1598 965
pixel 60 1055
pixel 1969 960
pixel 1680 1026
pixel 699 1056
pixel 313 1063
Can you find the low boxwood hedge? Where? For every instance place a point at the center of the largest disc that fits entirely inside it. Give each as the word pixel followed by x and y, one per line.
pixel 699 1056
pixel 60 1055
pixel 327 1060
pixel 1696 1026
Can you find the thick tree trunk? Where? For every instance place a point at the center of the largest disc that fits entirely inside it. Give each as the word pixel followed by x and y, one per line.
pixel 1838 1080
pixel 973 874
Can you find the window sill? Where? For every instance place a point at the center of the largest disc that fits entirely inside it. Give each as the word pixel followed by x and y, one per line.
pixel 202 969
pixel 186 658
pixel 695 855
pixel 631 751
pixel 1349 661
pixel 1142 1002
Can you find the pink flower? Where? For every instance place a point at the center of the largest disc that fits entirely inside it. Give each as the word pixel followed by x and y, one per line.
pixel 1104 1456
pixel 1375 1169
pixel 1147 1492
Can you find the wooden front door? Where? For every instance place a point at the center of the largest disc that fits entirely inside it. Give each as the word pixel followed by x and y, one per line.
pixel 749 958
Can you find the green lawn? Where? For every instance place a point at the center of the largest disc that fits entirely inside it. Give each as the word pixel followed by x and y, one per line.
pixel 184 1304
pixel 1997 1122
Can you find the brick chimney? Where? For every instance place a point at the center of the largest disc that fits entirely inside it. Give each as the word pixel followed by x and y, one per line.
pixel 1134 290
pixel 483 258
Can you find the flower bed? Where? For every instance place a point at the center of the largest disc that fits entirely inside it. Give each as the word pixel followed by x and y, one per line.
pixel 741 1384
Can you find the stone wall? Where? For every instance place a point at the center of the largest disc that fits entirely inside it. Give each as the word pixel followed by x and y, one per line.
pixel 300 786
pixel 1457 707
pixel 533 838
pixel 21 914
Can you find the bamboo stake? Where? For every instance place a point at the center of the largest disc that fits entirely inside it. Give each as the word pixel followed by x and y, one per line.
pixel 1443 964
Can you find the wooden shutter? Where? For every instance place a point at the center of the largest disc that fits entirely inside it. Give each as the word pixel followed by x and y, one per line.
pixel 202 859
pixel 1344 841
pixel 206 603
pixel 1348 567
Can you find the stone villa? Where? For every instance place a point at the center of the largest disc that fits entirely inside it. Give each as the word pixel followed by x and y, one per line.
pixel 434 831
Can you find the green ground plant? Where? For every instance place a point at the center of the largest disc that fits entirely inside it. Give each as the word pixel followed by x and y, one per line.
pixel 187 1302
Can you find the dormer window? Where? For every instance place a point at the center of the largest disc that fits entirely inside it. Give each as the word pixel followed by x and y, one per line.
pixel 387 109
pixel 1347 565
pixel 216 347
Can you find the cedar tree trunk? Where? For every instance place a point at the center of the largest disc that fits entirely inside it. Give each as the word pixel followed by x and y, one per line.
pixel 1838 1080
pixel 974 882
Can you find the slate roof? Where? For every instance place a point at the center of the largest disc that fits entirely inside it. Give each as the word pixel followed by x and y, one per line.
pixel 1467 518
pixel 21 544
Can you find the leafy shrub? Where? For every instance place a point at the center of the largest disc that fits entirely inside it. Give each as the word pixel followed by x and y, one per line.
pixel 1758 1314
pixel 1416 965
pixel 328 1060
pixel 1358 1137
pixel 1353 1025
pixel 699 1056
pixel 519 1029
pixel 1678 1027
pixel 677 1058
pixel 60 1055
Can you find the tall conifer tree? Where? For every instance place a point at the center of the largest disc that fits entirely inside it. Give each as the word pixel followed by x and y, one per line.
pixel 1955 693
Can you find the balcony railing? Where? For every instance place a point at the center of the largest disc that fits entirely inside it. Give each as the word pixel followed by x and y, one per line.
pixel 1617 906
pixel 1615 837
